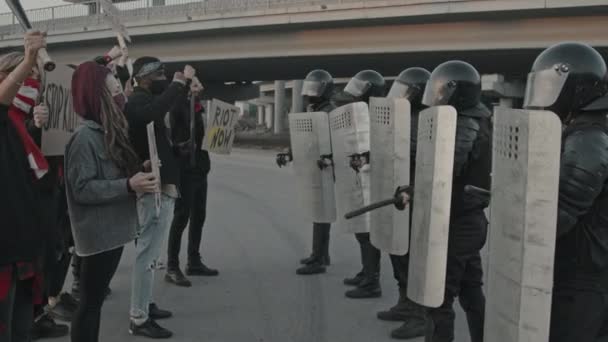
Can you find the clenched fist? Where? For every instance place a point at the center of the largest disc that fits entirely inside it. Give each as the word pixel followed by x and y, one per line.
pixel 41 115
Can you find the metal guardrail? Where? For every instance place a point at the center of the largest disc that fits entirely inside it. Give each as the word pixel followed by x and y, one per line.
pixel 88 13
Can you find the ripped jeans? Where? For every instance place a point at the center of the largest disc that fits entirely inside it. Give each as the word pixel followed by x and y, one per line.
pixel 152 235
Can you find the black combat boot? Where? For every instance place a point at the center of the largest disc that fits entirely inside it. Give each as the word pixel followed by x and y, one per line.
pixel 370 285
pixel 415 324
pixel 358 278
pixel 399 312
pixel 317 264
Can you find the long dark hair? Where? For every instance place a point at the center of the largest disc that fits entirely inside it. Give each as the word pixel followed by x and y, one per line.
pixel 116 136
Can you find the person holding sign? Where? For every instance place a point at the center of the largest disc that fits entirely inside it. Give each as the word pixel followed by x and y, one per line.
pixel 22 230
pixel 150 102
pixel 194 166
pixel 102 180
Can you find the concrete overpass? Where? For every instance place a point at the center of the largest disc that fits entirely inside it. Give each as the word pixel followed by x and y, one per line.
pixel 246 40
pixel 240 41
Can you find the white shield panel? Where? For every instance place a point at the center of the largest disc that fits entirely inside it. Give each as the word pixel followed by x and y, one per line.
pixel 525 178
pixel 390 168
pixel 309 140
pixel 432 203
pixel 350 135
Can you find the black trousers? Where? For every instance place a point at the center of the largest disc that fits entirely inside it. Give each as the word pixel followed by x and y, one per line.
pixel 370 255
pixel 400 265
pixel 192 207
pixel 579 315
pixel 56 257
pixel 96 272
pixel 464 279
pixel 17 311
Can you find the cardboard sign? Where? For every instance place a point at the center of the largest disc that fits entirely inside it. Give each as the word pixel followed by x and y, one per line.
pixel 155 162
pixel 220 131
pixel 57 96
pixel 112 16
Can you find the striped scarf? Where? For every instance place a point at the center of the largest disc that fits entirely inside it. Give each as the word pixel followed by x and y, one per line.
pixel 18 112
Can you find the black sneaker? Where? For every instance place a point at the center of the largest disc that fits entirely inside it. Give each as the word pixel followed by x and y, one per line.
pixel 155 313
pixel 197 268
pixel 175 276
pixel 45 327
pixel 150 329
pixel 65 308
pixel 69 301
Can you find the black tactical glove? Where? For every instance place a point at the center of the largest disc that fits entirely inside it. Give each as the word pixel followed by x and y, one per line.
pixel 357 161
pixel 407 190
pixel 325 161
pixel 284 158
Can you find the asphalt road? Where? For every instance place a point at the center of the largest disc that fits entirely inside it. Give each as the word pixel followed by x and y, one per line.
pixel 255 236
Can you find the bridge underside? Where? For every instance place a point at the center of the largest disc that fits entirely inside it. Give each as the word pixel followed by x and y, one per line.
pixel 512 63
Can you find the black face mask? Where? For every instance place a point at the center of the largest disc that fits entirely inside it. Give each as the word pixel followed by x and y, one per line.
pixel 158 87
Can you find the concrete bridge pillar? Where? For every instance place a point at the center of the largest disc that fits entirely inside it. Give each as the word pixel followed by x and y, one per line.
pixel 279 106
pixel 269 116
pixel 297 101
pixel 260 115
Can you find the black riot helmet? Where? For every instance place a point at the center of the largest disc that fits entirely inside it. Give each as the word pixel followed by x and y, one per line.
pixel 410 84
pixel 318 84
pixel 453 83
pixel 565 78
pixel 366 84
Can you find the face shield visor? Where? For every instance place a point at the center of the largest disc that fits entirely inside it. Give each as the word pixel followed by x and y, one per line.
pixel 313 88
pixel 545 86
pixel 438 93
pixel 357 87
pixel 402 90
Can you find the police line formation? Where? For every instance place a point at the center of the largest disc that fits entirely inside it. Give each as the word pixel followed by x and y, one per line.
pixel 432 150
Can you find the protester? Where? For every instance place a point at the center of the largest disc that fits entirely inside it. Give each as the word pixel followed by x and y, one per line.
pixel 122 74
pixel 192 205
pixel 151 101
pixel 23 235
pixel 101 196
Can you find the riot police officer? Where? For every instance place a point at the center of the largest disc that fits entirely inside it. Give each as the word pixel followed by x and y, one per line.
pixel 317 90
pixel 569 79
pixel 410 84
pixel 458 84
pixel 365 84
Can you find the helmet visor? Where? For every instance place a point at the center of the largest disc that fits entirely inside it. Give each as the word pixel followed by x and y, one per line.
pixel 438 93
pixel 544 87
pixel 402 90
pixel 313 88
pixel 357 87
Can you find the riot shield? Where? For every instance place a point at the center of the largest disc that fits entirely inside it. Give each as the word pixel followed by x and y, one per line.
pixel 523 219
pixel 350 136
pixel 390 168
pixel 309 141
pixel 431 207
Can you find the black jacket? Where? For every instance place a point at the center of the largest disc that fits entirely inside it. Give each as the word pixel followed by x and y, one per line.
pixel 143 108
pixel 21 230
pixel 582 228
pixel 472 159
pixel 180 131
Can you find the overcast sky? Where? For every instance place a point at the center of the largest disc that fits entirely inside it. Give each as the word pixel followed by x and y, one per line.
pixel 28 4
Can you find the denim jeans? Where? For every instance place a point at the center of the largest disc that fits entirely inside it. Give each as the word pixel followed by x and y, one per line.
pixel 152 235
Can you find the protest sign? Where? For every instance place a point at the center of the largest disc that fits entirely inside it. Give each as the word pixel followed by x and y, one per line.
pixel 222 119
pixel 57 96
